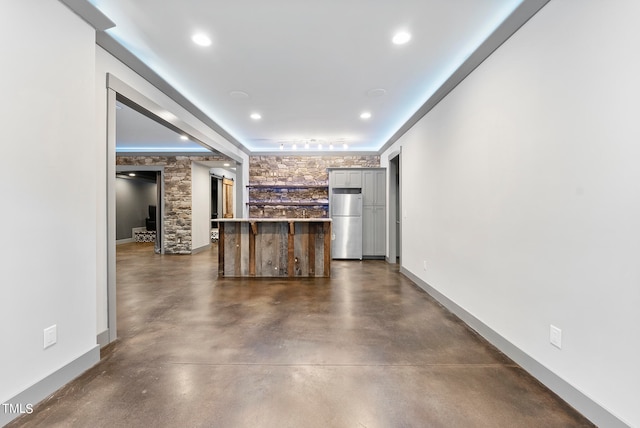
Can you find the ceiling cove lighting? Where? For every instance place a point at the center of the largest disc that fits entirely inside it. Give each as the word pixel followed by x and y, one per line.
pixel 401 38
pixel 201 39
pixel 365 115
pixel 256 116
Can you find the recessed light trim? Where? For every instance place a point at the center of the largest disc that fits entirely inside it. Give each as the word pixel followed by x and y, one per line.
pixel 376 92
pixel 201 39
pixel 365 115
pixel 401 38
pixel 238 94
pixel 255 116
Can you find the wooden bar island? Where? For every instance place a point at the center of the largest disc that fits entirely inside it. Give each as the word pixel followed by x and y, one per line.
pixel 274 247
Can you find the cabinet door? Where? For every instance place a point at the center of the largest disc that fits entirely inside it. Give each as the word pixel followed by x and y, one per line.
pixel 380 235
pixel 338 179
pixel 373 231
pixel 355 178
pixel 374 187
pixel 368 230
pixel 346 178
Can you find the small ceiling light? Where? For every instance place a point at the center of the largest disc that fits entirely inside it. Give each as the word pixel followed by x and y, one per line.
pixel 227 164
pixel 376 92
pixel 256 116
pixel 365 115
pixel 201 39
pixel 184 138
pixel 132 174
pixel 401 38
pixel 238 94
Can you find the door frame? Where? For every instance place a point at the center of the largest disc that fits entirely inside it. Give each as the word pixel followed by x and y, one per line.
pixel 395 207
pixel 117 88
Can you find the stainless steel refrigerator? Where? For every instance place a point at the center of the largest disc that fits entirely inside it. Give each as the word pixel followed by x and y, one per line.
pixel 346 216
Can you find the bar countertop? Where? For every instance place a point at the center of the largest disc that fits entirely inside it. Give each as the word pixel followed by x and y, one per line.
pixel 272 220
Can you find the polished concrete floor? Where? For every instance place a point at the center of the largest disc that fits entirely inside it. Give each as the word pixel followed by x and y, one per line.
pixel 366 348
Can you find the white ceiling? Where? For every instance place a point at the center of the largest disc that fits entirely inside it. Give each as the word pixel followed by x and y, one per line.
pixel 310 68
pixel 137 133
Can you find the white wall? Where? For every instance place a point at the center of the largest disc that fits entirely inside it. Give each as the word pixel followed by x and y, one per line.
pixel 133 197
pixel 48 184
pixel 521 191
pixel 200 206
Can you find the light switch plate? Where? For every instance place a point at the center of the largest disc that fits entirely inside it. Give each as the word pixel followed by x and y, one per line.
pixel 555 336
pixel 50 336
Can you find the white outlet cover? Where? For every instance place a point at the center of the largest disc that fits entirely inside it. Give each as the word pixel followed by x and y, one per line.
pixel 50 336
pixel 555 336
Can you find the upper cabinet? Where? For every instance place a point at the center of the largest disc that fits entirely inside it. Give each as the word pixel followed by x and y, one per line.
pixel 374 187
pixel 345 178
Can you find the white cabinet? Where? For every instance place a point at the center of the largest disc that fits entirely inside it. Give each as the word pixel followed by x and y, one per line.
pixel 373 182
pixel 374 212
pixel 345 178
pixel 373 233
pixel 374 187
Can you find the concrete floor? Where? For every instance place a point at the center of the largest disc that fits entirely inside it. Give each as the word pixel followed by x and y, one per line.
pixel 366 348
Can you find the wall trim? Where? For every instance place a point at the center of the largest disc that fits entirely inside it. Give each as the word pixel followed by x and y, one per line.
pixel 124 241
pixel 200 249
pixel 50 384
pixel 102 339
pixel 582 403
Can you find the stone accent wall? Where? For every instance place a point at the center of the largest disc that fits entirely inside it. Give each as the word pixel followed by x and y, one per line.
pixel 177 196
pixel 288 175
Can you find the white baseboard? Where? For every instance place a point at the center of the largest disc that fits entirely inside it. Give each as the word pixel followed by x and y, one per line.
pixel 124 241
pixel 50 384
pixel 200 249
pixel 102 339
pixel 579 401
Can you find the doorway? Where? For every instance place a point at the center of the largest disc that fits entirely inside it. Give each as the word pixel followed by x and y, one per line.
pixel 395 198
pixel 139 205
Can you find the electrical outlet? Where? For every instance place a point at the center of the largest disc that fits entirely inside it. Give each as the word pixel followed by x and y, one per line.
pixel 555 336
pixel 50 336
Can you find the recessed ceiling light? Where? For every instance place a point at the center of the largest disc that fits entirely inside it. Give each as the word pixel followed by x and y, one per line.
pixel 365 115
pixel 132 174
pixel 184 138
pixel 401 38
pixel 227 164
pixel 377 92
pixel 256 116
pixel 238 94
pixel 201 39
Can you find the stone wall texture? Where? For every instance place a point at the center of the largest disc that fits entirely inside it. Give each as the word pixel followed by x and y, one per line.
pixel 279 182
pixel 177 196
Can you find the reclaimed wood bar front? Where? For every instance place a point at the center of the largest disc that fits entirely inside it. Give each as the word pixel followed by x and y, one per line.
pixel 274 247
